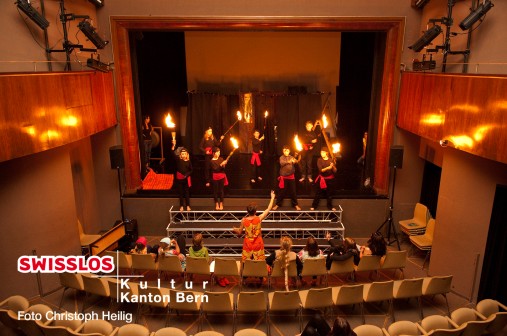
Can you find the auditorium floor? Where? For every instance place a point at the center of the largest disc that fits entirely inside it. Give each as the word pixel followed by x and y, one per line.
pixel 281 324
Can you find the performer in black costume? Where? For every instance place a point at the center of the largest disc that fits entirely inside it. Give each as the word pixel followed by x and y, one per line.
pixel 309 139
pixel 287 182
pixel 255 161
pixel 324 182
pixel 183 172
pixel 219 179
pixel 207 143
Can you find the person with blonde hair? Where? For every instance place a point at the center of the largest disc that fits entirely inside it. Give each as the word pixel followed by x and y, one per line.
pixel 285 255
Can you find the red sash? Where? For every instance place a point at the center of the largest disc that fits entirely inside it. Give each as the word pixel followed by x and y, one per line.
pixel 256 159
pixel 208 150
pixel 307 146
pixel 219 176
pixel 322 180
pixel 180 176
pixel 281 180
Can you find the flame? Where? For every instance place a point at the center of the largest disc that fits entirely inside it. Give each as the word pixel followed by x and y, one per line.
pixel 336 147
pixel 324 121
pixel 70 121
pixel 481 132
pixel 462 141
pixel 169 121
pixel 234 142
pixel 239 116
pixel 266 114
pixel 299 146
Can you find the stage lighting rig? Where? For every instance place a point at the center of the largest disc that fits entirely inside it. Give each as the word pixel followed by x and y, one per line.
pixel 35 16
pixel 476 15
pixel 427 38
pixel 91 34
pixel 97 64
pixel 97 3
pixel 419 3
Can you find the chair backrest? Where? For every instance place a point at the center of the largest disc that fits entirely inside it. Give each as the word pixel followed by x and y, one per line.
pixel 407 328
pixel 347 294
pixel 437 325
pixel 197 266
pixel 61 325
pixel 421 213
pixel 315 267
pixel 169 331
pixel 437 285
pixel 121 260
pixel 32 327
pixel 254 268
pixel 342 266
pixel 489 308
pixel 178 302
pixel 143 262
pixel 218 302
pixel 209 333
pixel 277 271
pixel 368 330
pixel 49 330
pixel 369 263
pixel 407 288
pixel 250 332
pixel 116 290
pixel 162 293
pixel 97 326
pixel 394 259
pixel 169 264
pixel 378 291
pixel 227 267
pixel 97 286
pixel 430 229
pixel 251 302
pixel 463 315
pixel 11 307
pixel 285 300
pixel 317 298
pixel 133 330
pixel 71 280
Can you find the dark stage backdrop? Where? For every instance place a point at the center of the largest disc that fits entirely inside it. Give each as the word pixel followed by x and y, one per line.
pixel 287 113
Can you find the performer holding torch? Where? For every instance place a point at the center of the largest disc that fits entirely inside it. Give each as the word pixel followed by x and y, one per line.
pixel 309 141
pixel 207 143
pixel 219 178
pixel 255 161
pixel 325 180
pixel 286 180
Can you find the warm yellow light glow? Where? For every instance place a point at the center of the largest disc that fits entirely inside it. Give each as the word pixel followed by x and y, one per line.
pixel 480 132
pixel 297 143
pixel 70 121
pixel 465 108
pixel 501 104
pixel 30 130
pixel 336 147
pixel 238 114
pixel 433 119
pixel 169 121
pixel 461 141
pixel 324 121
pixel 234 142
pixel 49 135
pixel 266 114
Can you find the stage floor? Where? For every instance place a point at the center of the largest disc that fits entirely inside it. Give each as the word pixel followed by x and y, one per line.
pixel 349 179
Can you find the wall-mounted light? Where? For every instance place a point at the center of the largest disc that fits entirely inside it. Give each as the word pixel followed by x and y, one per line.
pixel 91 34
pixel 444 142
pixel 476 15
pixel 97 3
pixel 426 39
pixel 35 16
pixel 419 3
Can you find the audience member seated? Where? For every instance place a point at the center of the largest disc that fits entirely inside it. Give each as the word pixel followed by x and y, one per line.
pixel 317 326
pixel 285 255
pixel 141 246
pixel 376 245
pixel 171 247
pixel 311 251
pixel 340 251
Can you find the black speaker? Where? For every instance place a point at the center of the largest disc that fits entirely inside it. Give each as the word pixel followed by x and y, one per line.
pixel 396 157
pixel 116 157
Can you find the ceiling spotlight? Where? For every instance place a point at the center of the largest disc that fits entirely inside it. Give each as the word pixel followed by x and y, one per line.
pixel 97 3
pixel 444 143
pixel 91 34
pixel 426 39
pixel 476 15
pixel 419 3
pixel 35 16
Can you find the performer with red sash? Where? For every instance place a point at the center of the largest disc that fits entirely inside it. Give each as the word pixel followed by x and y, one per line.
pixel 286 180
pixel 325 181
pixel 255 161
pixel 207 143
pixel 309 139
pixel 183 172
pixel 253 245
pixel 219 179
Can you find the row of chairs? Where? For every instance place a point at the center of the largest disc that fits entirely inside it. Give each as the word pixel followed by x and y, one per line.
pixel 74 327
pixel 393 260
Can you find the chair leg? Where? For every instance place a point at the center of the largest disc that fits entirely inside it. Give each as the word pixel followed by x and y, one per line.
pixel 420 307
pixel 362 312
pixel 447 303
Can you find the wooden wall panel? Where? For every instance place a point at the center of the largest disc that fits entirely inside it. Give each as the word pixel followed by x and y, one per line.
pixel 46 110
pixel 470 111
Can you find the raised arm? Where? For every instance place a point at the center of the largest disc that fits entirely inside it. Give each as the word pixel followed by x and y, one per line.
pixel 271 201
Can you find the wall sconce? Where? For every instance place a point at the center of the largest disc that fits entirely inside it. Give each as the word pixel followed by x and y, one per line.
pixel 91 34
pixel 476 15
pixel 426 39
pixel 35 16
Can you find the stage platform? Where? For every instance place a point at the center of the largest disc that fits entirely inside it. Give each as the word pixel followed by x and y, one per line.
pixel 217 227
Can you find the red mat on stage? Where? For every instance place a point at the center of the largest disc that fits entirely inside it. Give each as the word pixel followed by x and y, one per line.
pixel 154 181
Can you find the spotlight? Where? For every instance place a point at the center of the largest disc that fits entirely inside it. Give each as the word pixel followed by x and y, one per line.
pixel 476 15
pixel 97 64
pixel 444 143
pixel 426 39
pixel 419 3
pixel 35 16
pixel 91 34
pixel 97 3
